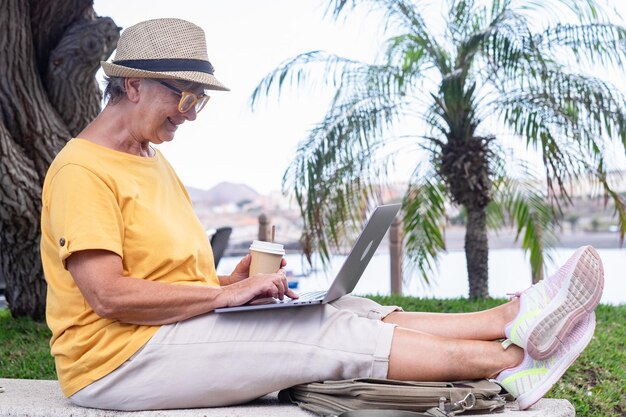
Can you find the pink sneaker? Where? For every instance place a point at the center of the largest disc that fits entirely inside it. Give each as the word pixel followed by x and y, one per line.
pixel 529 381
pixel 550 309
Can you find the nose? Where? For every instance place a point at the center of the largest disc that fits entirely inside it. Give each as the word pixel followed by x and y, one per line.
pixel 191 114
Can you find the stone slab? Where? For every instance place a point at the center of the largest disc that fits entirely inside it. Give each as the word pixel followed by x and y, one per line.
pixel 37 398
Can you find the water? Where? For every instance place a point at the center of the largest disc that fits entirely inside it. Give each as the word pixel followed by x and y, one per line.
pixel 509 271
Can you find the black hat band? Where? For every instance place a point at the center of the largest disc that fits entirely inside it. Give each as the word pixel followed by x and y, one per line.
pixel 160 65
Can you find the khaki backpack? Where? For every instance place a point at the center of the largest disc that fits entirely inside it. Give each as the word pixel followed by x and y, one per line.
pixel 363 397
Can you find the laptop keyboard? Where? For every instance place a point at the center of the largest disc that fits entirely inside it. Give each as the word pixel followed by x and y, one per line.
pixel 305 298
pixel 313 295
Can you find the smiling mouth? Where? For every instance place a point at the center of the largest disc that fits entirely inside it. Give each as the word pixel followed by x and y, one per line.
pixel 172 122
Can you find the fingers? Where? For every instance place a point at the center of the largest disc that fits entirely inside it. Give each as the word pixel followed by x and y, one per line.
pixel 261 285
pixel 291 294
pixel 279 287
pixel 283 288
pixel 244 264
pixel 242 269
pixel 282 284
pixel 283 263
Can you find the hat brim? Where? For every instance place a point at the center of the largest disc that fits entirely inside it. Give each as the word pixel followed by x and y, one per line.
pixel 208 80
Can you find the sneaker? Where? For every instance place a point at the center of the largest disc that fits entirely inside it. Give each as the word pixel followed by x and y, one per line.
pixel 529 381
pixel 551 308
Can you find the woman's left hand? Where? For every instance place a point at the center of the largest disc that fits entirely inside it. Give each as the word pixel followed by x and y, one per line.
pixel 242 270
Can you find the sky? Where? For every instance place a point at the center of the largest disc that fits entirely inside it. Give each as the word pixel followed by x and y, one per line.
pixel 246 39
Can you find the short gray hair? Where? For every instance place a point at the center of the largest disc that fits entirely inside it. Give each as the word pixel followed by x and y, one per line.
pixel 114 90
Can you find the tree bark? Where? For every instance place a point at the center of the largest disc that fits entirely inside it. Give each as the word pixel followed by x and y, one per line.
pixel 477 253
pixel 70 81
pixel 49 55
pixel 19 231
pixel 52 18
pixel 465 169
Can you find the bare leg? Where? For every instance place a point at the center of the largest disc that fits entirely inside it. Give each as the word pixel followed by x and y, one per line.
pixel 481 325
pixel 419 356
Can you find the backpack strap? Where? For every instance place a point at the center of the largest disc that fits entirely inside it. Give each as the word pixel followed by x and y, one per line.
pixel 433 412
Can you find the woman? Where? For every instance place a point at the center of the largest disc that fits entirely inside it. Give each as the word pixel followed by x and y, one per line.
pixel 131 279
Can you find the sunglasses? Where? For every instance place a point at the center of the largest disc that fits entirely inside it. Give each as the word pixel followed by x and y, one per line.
pixel 187 99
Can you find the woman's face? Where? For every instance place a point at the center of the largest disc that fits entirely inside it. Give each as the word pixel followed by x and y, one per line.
pixel 159 112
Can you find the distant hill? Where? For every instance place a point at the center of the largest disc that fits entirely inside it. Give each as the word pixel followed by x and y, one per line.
pixel 222 193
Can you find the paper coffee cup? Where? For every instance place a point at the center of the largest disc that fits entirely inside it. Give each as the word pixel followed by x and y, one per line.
pixel 266 257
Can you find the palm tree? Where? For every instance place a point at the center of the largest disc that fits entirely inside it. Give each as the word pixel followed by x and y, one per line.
pixel 495 72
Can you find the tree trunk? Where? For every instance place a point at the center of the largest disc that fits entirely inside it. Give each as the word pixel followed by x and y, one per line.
pixel 477 253
pixel 465 168
pixel 49 54
pixel 19 237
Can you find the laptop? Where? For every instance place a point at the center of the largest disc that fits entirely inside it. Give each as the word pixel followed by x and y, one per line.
pixel 350 272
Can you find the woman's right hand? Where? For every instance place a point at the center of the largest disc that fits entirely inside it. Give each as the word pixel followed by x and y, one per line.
pixel 257 286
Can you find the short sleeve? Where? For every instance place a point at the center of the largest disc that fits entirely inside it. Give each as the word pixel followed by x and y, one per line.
pixel 84 212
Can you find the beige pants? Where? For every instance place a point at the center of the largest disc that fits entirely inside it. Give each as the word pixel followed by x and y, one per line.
pixel 223 359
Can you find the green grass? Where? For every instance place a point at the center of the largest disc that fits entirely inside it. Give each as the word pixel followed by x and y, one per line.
pixel 595 384
pixel 24 349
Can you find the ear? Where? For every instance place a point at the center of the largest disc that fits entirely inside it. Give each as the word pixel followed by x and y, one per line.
pixel 133 87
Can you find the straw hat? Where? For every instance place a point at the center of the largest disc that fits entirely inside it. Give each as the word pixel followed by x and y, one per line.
pixel 163 48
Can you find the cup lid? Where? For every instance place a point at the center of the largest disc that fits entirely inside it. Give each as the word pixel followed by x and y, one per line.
pixel 269 247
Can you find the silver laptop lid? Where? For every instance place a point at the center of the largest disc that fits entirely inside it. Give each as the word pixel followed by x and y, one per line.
pixel 362 251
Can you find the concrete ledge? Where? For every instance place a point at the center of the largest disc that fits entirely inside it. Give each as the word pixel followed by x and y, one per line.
pixel 37 398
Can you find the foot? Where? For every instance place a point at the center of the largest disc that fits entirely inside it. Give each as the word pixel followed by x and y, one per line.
pixel 550 309
pixel 529 381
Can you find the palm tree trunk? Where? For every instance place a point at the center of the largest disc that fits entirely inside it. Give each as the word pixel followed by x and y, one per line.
pixel 477 253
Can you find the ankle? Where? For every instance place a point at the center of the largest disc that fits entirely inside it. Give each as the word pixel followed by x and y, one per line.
pixel 511 357
pixel 511 310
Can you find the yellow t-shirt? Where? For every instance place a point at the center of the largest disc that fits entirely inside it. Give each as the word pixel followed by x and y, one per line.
pixel 97 198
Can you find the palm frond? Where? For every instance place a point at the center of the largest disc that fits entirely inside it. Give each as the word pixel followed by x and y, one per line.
pixel 485 25
pixel 595 42
pixel 568 117
pixel 424 217
pixel 298 70
pixel 409 55
pixel 583 10
pixel 524 204
pixel 335 174
pixel 437 121
pixel 532 124
pixel 510 51
pixel 405 14
pixel 460 16
pixel 600 175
